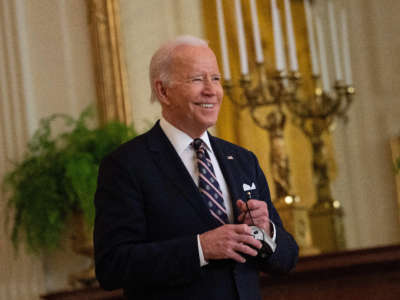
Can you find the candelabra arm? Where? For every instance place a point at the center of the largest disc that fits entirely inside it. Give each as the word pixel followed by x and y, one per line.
pixel 228 88
pixel 347 95
pixel 264 94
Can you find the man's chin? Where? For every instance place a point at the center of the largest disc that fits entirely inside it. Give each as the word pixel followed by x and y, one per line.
pixel 209 124
pixel 209 120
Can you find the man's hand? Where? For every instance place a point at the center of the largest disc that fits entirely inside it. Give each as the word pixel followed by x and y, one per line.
pixel 259 213
pixel 229 241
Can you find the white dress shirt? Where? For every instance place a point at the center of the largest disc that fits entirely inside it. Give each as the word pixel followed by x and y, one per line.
pixel 181 142
pixel 182 145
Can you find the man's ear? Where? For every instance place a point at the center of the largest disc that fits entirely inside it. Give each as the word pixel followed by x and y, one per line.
pixel 161 91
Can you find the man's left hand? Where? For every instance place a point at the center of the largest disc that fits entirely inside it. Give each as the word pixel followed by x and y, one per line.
pixel 259 213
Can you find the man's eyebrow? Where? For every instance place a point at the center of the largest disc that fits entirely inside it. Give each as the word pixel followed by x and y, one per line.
pixel 203 75
pixel 196 75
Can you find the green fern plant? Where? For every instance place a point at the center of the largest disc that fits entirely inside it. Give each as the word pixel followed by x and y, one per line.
pixel 57 178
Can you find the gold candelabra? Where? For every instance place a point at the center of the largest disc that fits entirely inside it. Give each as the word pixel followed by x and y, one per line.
pixel 265 99
pixel 315 117
pixel 259 94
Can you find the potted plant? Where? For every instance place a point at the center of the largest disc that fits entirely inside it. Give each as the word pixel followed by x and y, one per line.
pixel 57 178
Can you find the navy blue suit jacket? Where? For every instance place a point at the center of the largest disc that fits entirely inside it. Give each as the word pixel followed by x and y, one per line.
pixel 149 212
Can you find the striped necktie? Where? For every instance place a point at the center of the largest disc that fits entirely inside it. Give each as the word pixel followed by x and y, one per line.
pixel 208 184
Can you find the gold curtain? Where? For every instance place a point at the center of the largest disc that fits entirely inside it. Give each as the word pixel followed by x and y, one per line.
pixel 237 126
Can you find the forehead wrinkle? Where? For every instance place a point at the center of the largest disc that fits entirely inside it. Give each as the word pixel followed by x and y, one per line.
pixel 184 55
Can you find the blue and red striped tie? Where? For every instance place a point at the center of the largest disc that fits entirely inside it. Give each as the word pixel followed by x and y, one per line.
pixel 208 184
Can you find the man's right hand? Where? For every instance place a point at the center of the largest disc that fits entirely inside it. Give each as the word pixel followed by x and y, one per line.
pixel 229 241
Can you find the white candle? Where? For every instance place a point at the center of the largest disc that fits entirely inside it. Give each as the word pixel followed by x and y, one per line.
pixel 294 66
pixel 280 59
pixel 311 38
pixel 222 40
pixel 244 66
pixel 281 46
pixel 335 42
pixel 346 48
pixel 322 55
pixel 256 32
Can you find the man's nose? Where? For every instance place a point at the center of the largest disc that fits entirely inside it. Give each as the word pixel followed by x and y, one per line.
pixel 209 87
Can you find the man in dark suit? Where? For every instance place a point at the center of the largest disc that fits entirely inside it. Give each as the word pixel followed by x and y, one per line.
pixel 171 219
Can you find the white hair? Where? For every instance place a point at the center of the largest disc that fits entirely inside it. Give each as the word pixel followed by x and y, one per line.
pixel 159 64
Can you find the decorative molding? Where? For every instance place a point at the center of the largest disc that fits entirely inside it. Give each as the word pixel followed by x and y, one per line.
pixel 110 70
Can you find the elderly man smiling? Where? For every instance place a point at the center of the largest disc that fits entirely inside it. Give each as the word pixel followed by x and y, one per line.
pixel 171 217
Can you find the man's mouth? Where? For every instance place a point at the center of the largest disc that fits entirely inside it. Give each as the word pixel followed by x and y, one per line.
pixel 205 105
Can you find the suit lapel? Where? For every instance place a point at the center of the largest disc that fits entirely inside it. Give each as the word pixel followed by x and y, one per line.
pixel 226 159
pixel 172 167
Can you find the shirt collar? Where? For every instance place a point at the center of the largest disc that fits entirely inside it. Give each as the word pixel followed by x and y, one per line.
pixel 179 139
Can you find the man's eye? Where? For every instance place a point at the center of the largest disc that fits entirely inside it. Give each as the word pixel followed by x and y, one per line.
pixel 197 79
pixel 216 78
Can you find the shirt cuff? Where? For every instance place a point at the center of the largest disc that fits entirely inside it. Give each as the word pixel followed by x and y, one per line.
pixel 273 231
pixel 270 240
pixel 203 262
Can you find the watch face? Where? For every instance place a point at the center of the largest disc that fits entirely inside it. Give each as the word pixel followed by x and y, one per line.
pixel 266 249
pixel 257 233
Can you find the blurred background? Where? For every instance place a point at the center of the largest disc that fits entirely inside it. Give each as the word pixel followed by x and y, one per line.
pixel 53 52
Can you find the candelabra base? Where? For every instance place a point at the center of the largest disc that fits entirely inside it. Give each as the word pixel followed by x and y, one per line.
pixel 327 228
pixel 296 221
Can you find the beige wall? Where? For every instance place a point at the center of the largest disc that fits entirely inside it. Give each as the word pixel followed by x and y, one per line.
pixel 145 25
pixel 46 67
pixel 366 181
